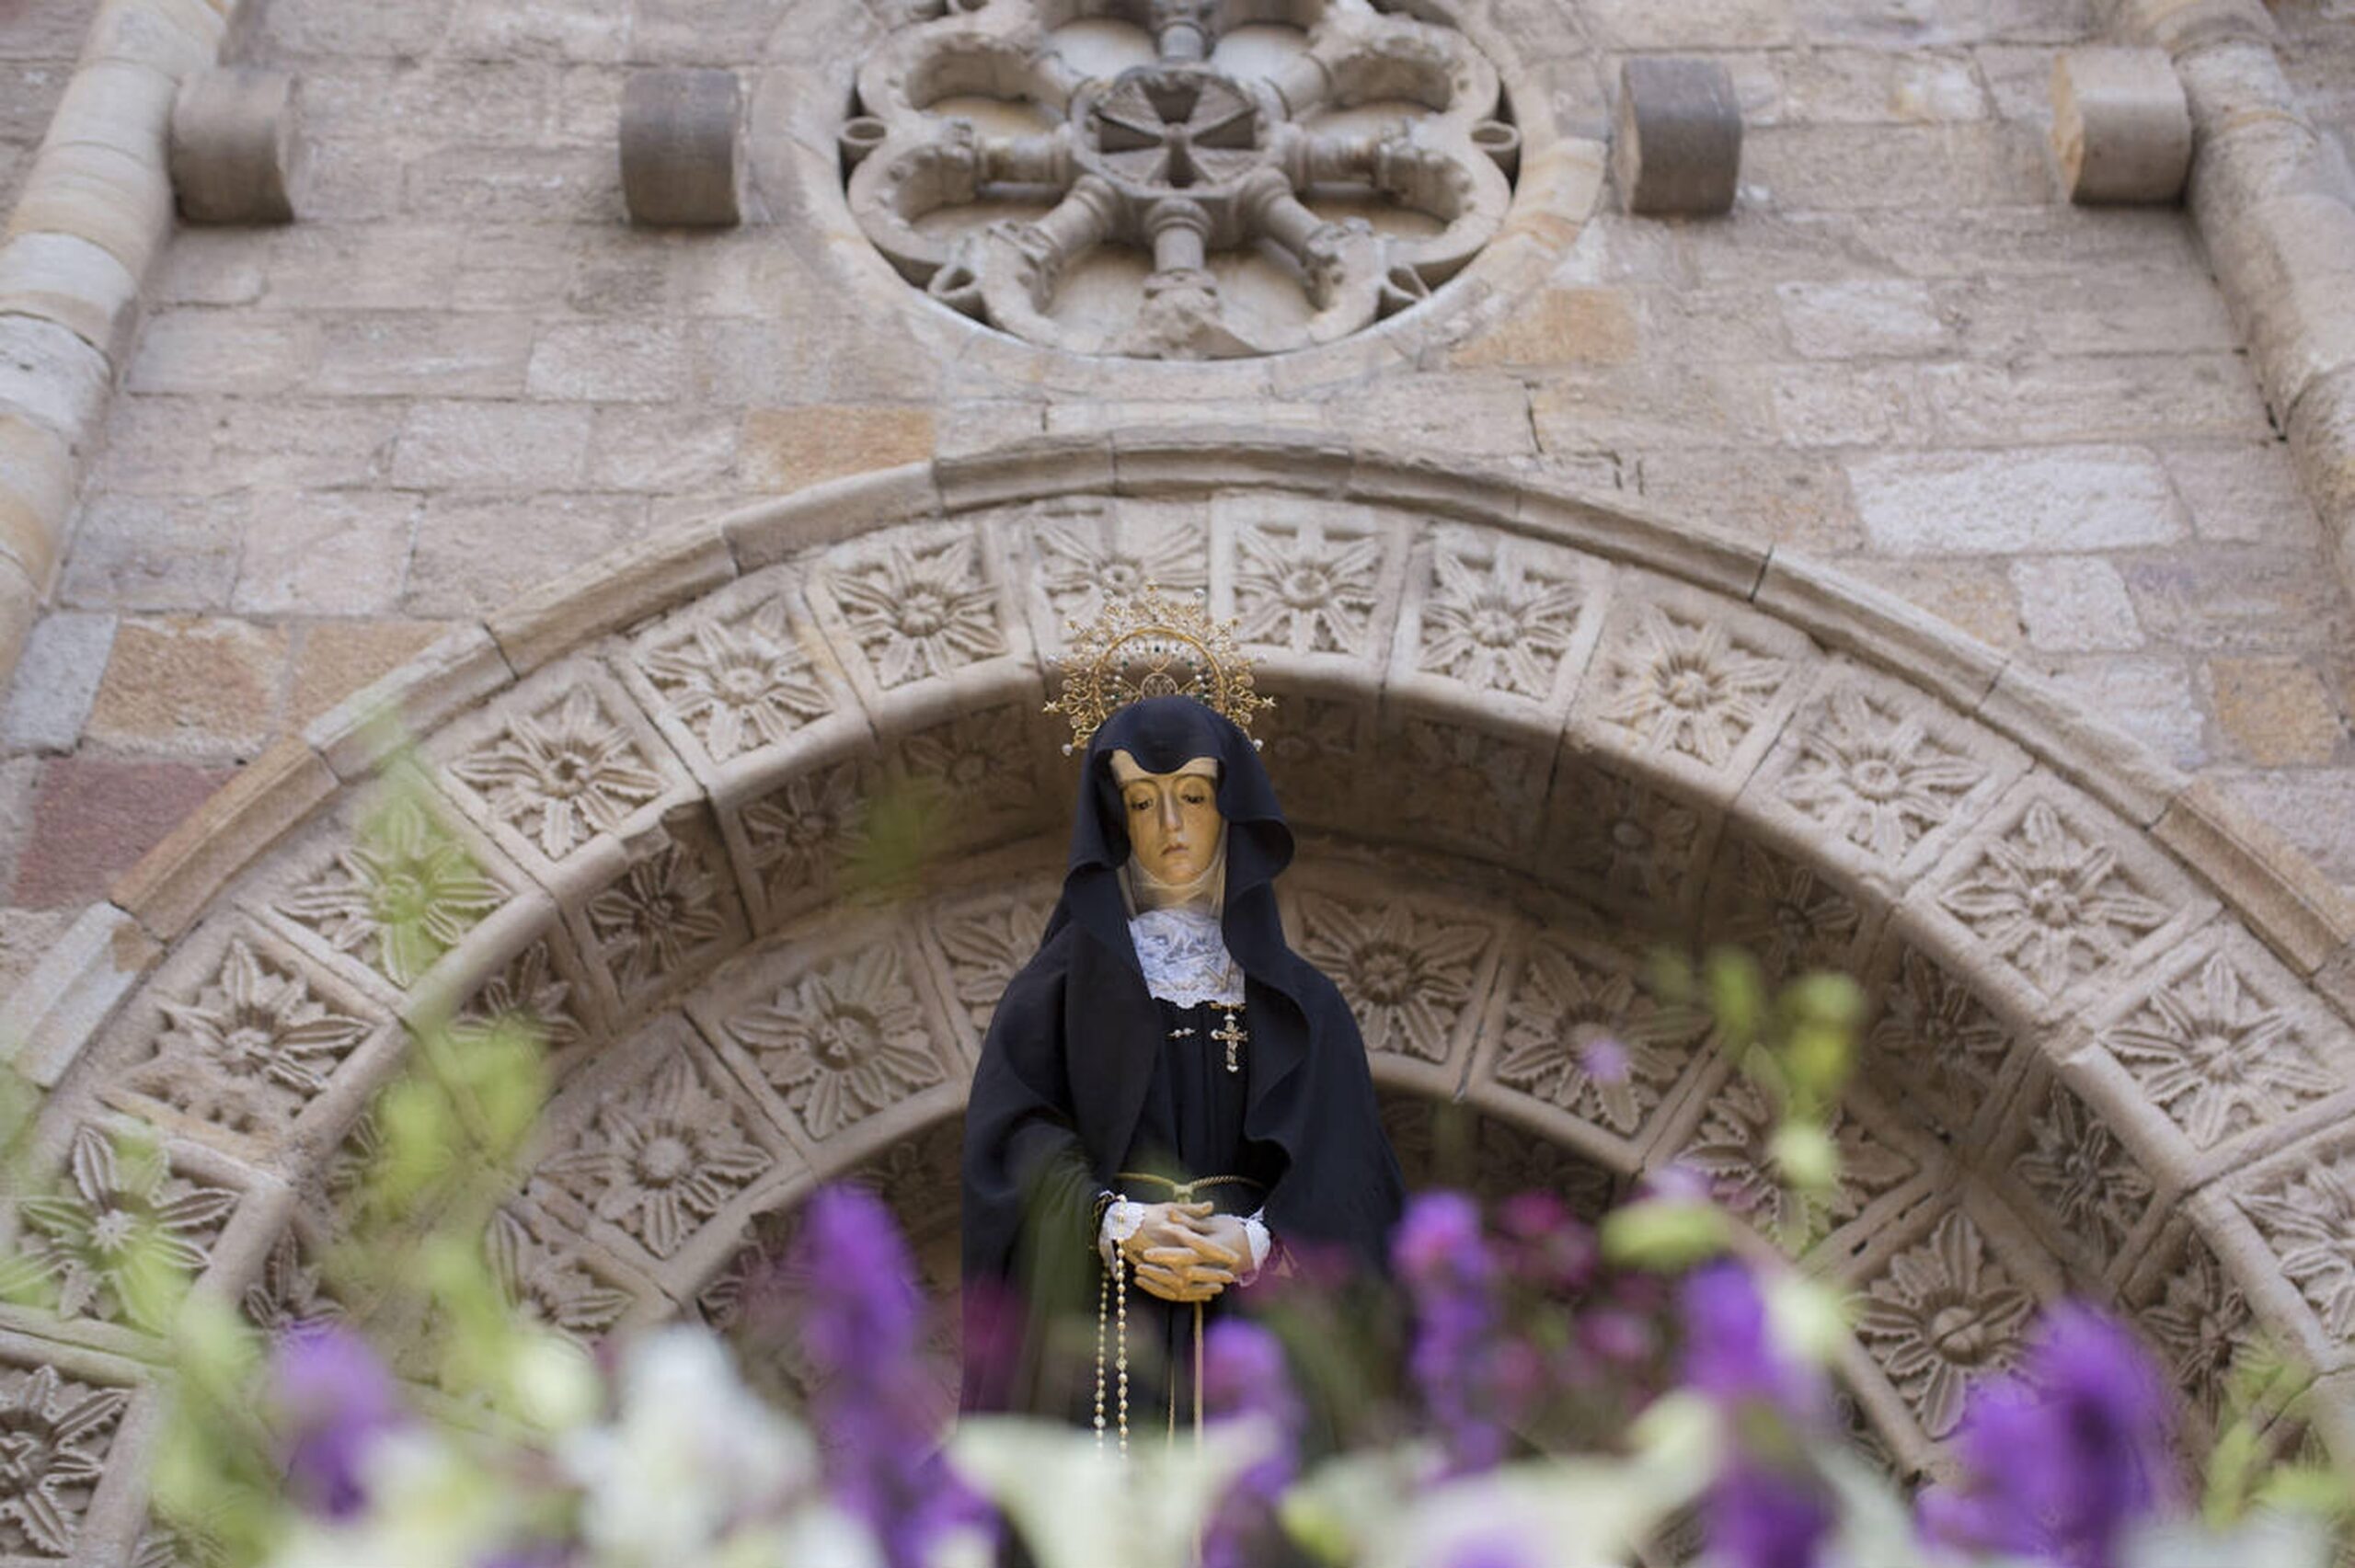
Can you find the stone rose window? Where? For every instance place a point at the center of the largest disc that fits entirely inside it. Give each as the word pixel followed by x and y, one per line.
pixel 1178 178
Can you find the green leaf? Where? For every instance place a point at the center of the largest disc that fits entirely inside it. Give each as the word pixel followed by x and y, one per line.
pixel 1736 993
pixel 2307 1489
pixel 1819 1058
pixel 1664 1234
pixel 1806 1156
pixel 1827 998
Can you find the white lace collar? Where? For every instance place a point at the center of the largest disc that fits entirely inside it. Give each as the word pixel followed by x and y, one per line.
pixel 1184 956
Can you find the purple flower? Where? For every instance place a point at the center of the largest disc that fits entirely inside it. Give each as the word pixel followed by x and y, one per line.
pixel 1496 1550
pixel 1616 1335
pixel 860 1318
pixel 1674 1182
pixel 1729 1354
pixel 1451 1279
pixel 1243 1375
pixel 1439 1242
pixel 859 1307
pixel 2063 1458
pixel 331 1399
pixel 1606 1061
pixel 1760 1515
pixel 1546 1246
pixel 1766 1508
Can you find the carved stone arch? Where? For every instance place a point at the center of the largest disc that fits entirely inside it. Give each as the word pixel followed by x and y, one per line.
pixel 1526 732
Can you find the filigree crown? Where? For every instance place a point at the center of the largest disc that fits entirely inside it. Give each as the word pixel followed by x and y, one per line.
pixel 1150 645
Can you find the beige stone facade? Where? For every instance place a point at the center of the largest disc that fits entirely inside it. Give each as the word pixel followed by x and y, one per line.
pixel 1887 562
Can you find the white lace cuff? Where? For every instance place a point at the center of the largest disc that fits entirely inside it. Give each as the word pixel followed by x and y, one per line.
pixel 1121 1219
pixel 1254 1233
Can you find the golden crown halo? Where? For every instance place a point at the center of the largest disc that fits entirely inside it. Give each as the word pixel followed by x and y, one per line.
pixel 1150 645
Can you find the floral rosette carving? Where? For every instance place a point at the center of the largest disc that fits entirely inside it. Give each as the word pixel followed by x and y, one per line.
pixel 1287 190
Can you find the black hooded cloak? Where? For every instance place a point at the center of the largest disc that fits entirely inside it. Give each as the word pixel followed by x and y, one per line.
pixel 1076 1067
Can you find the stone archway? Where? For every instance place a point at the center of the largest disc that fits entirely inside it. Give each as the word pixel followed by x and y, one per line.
pixel 1526 732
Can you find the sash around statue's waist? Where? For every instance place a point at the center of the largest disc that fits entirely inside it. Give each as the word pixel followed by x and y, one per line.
pixel 1218 1191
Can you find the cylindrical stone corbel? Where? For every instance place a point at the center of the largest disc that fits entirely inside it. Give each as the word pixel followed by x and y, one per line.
pixel 1676 139
pixel 2121 126
pixel 678 142
pixel 236 134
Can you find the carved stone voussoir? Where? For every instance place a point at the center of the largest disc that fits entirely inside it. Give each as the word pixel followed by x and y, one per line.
pixel 189 1215
pixel 1879 778
pixel 1313 581
pixel 1691 684
pixel 389 890
pixel 2286 1228
pixel 1935 1045
pixel 1726 1134
pixel 655 1152
pixel 1076 550
pixel 1627 843
pixel 1315 742
pixel 1498 622
pixel 1946 1302
pixel 798 831
pixel 970 778
pixel 66 1496
pixel 1417 972
pixel 1578 1040
pixel 1478 787
pixel 913 605
pixel 2227 1054
pixel 557 1278
pixel 526 983
pixel 738 673
pixel 245 1041
pixel 977 941
pixel 667 912
pixel 837 1029
pixel 563 762
pixel 2054 899
pixel 2065 1170
pixel 2194 1313
pixel 1790 916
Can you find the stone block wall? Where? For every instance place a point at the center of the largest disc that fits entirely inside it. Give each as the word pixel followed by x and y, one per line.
pixel 460 373
pixel 2319 57
pixel 38 46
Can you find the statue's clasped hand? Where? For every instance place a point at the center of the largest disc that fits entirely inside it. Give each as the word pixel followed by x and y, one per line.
pixel 1182 1252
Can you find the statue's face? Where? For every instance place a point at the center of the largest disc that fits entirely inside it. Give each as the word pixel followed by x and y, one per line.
pixel 1173 824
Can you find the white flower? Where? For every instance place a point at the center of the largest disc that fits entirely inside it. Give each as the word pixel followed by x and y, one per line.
pixel 814 1537
pixel 1077 1506
pixel 689 1451
pixel 552 1382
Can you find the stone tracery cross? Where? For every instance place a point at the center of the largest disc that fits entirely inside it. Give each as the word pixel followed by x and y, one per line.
pixel 1184 159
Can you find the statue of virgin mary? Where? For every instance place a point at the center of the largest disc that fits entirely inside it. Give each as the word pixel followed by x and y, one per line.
pixel 1169 1098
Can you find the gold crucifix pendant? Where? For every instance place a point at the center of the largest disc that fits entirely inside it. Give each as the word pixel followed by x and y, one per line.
pixel 1232 1034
